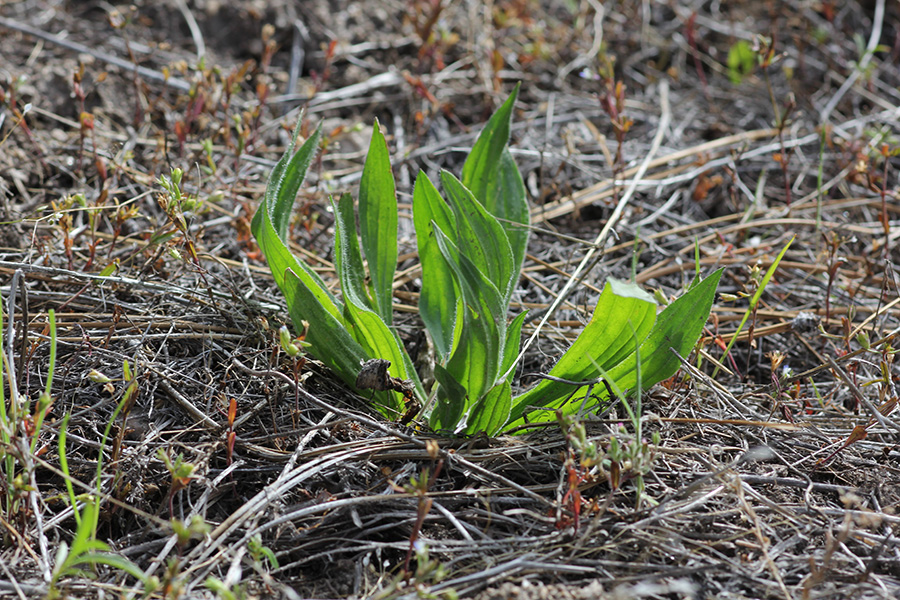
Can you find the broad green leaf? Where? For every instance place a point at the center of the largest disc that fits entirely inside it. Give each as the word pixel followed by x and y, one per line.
pixel 624 312
pixel 490 413
pixel 378 222
pixel 492 176
pixel 275 208
pixel 479 293
pixel 480 236
pixel 451 401
pixel 472 363
pixel 379 341
pixel 288 179
pixel 510 203
pixel 347 258
pixel 343 346
pixel 479 170
pixel 677 327
pixel 476 360
pixel 439 301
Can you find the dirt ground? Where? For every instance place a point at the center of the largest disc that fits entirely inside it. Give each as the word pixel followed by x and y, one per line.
pixel 726 129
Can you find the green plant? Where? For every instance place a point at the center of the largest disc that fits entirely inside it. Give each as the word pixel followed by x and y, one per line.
pixel 471 244
pixel 623 328
pixel 260 553
pixel 181 473
pixel 741 61
pixel 86 551
pixel 17 465
pixel 20 429
pixel 754 300
pixel 221 589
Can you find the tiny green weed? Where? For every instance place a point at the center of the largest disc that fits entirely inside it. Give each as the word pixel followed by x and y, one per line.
pixel 20 433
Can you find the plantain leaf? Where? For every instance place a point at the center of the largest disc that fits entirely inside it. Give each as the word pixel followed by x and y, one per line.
pixel 513 341
pixel 269 225
pixel 379 341
pixel 439 301
pixel 493 177
pixel 287 177
pixel 508 202
pixel 490 413
pixel 366 326
pixel 479 172
pixel 328 338
pixel 678 326
pixel 624 312
pixel 451 401
pixel 476 360
pixel 481 237
pixel 347 257
pixel 378 222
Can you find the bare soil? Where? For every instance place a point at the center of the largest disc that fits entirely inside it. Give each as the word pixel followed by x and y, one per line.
pixel 740 126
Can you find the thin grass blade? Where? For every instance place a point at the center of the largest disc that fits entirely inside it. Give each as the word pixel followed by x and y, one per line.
pixel 754 300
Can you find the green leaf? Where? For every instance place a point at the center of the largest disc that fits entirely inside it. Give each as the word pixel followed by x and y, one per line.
pixel 287 177
pixel 378 222
pixel 480 236
pixel 113 560
pixel 741 61
pixel 476 360
pixel 451 401
pixel 508 202
pixel 491 412
pixel 378 341
pixel 439 302
pixel 513 341
pixel 483 162
pixel 678 327
pixel 83 540
pixel 491 174
pixel 473 362
pixel 624 312
pixel 347 257
pixel 754 300
pixel 328 338
pixel 367 327
pixel 273 215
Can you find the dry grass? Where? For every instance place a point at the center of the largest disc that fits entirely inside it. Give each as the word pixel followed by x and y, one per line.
pixel 764 483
